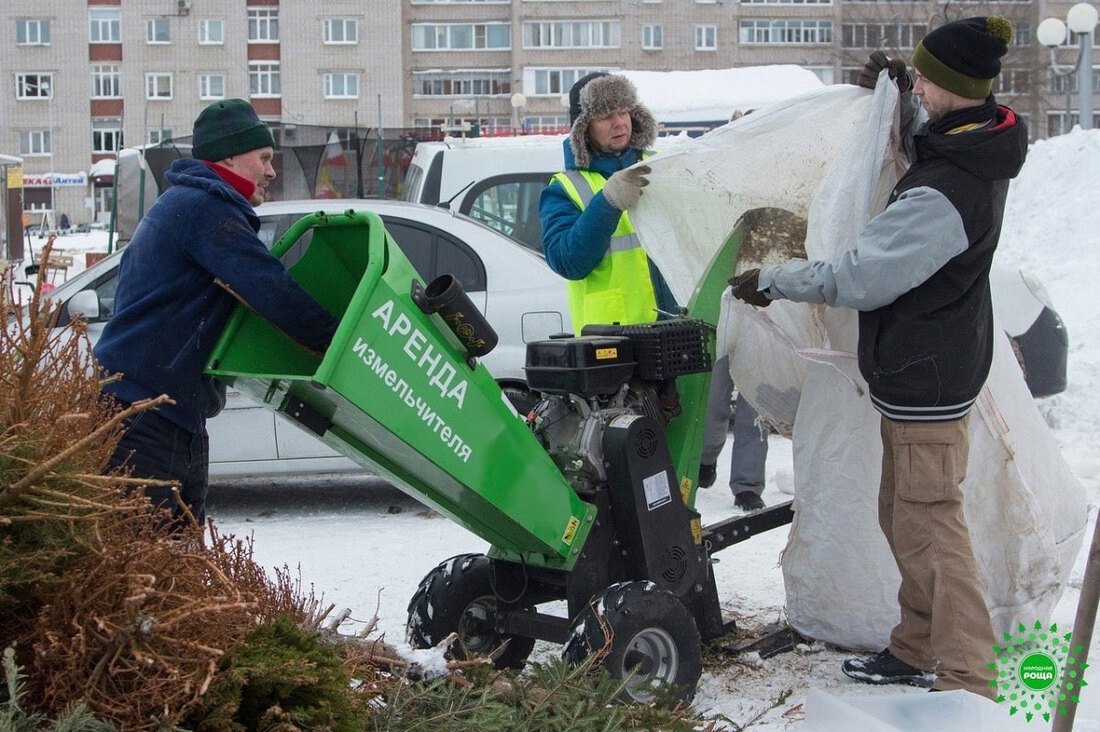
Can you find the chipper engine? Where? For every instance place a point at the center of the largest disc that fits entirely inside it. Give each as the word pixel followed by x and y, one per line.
pixel 587 501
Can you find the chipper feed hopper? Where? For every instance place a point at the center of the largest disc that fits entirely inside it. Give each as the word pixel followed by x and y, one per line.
pixel 587 499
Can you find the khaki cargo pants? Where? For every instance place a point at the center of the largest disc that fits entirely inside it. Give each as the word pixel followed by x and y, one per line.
pixel 945 626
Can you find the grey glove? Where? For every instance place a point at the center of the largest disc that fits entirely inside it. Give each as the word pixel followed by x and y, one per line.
pixel 878 61
pixel 624 188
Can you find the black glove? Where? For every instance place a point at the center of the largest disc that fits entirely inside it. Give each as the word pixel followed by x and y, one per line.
pixel 745 288
pixel 876 63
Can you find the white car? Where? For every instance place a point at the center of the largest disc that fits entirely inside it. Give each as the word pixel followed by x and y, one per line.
pixel 512 286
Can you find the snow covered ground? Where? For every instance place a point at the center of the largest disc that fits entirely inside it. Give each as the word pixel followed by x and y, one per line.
pixel 368 551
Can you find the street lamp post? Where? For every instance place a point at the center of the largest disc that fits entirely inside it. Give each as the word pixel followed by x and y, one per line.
pixel 518 101
pixel 1081 21
pixel 47 86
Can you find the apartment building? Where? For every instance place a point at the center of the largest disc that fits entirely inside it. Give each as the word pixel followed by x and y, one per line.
pixel 86 77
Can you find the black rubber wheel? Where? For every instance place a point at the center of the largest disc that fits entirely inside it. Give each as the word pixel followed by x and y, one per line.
pixel 654 641
pixel 457 597
pixel 524 400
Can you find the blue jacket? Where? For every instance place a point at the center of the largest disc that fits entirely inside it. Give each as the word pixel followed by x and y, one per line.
pixel 168 311
pixel 575 241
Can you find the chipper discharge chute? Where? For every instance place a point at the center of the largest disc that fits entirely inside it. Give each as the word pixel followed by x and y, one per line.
pixel 587 499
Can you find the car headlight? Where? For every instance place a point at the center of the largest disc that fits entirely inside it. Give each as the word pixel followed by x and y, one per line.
pixel 1035 285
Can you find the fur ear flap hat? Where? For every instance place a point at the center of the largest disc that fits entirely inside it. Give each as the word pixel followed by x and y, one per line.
pixel 600 94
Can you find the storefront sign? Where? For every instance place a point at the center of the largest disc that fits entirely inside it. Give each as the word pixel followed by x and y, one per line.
pixel 15 177
pixel 59 179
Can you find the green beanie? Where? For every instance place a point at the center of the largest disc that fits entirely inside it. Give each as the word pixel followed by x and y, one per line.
pixel 227 128
pixel 964 56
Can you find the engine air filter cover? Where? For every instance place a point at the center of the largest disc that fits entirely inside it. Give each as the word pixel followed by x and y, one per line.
pixel 586 365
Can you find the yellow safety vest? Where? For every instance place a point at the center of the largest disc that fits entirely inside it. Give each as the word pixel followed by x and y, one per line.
pixel 620 288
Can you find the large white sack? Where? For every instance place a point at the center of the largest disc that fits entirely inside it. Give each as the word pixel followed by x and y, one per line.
pixel 828 155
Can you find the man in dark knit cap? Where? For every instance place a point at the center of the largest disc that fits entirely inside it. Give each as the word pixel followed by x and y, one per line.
pixel 919 275
pixel 195 243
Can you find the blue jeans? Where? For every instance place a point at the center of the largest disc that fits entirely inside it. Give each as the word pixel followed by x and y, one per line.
pixel 154 447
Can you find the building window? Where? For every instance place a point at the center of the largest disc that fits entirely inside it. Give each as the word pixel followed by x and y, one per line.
pixel 341 30
pixel 461 36
pixel 1058 124
pixel 35 142
pixel 158 86
pixel 706 38
pixel 1068 82
pixel 341 85
pixel 553 82
pixel 882 35
pixel 1021 35
pixel 158 136
pixel 32 32
pixel 545 123
pixel 211 32
pixel 789 32
pixel 263 79
pixel 34 86
pixel 566 34
pixel 157 31
pixel 104 26
pixel 263 25
pixel 471 83
pixel 212 86
pixel 1012 81
pixel 651 37
pixel 106 136
pixel 106 82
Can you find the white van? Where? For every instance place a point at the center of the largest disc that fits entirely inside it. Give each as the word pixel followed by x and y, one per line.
pixel 496 181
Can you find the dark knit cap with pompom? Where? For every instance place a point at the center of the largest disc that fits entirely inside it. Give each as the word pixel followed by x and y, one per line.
pixel 964 56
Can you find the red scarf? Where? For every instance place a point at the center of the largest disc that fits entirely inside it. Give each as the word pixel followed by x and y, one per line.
pixel 241 185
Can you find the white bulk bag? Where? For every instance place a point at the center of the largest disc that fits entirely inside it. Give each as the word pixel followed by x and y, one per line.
pixel 828 156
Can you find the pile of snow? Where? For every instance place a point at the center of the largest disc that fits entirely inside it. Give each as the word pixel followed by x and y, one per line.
pixel 1052 229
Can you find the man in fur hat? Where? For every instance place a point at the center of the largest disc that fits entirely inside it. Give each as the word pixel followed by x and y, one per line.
pixel 586 231
pixel 588 239
pixel 919 276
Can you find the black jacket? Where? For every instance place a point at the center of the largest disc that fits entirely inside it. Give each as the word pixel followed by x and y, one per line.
pixel 927 354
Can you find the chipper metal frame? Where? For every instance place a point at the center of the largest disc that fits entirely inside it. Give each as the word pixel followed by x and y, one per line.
pixel 399 392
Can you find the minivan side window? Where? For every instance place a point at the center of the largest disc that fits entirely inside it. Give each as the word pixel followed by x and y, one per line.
pixel 509 203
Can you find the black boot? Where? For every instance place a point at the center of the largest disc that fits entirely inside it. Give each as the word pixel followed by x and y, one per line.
pixel 708 473
pixel 886 668
pixel 748 501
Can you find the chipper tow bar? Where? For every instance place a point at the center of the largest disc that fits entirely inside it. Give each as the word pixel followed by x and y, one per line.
pixel 589 498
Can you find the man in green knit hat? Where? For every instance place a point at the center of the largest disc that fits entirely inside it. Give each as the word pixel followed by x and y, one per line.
pixel 195 252
pixel 919 276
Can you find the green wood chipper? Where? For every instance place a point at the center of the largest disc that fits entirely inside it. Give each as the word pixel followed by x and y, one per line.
pixel 588 499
